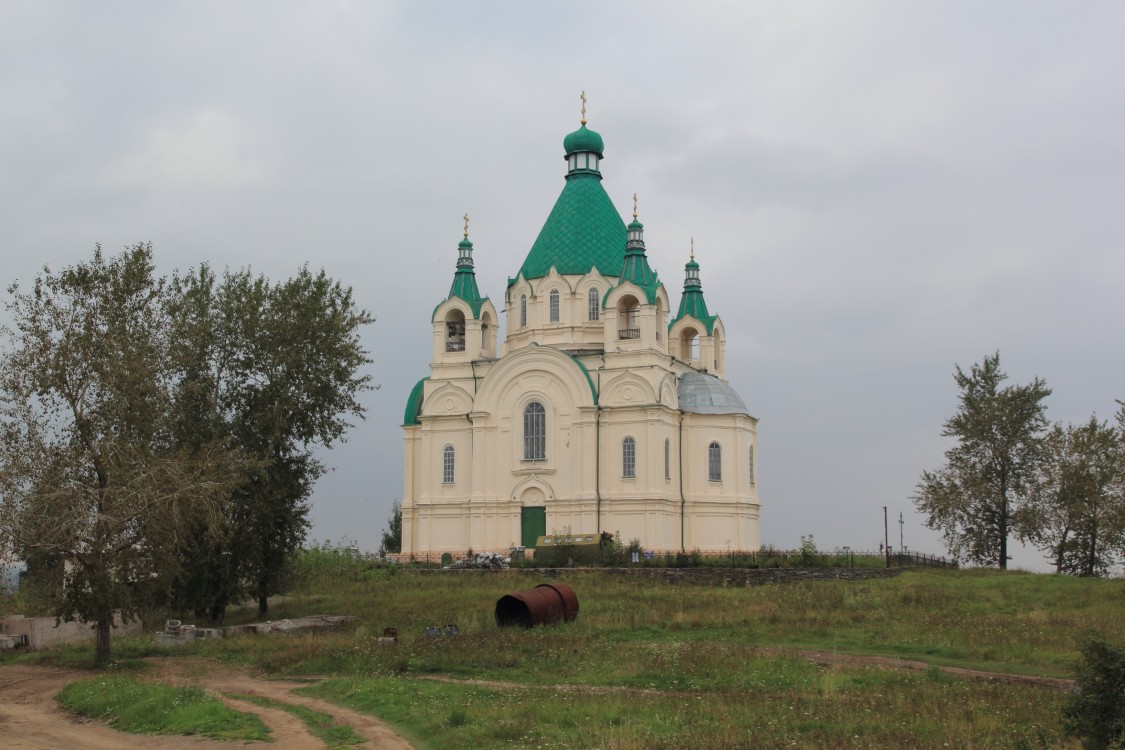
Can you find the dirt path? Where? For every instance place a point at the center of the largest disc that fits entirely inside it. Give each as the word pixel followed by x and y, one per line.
pixel 828 658
pixel 825 658
pixel 31 720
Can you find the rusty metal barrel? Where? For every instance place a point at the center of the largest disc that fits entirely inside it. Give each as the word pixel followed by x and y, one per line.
pixel 545 604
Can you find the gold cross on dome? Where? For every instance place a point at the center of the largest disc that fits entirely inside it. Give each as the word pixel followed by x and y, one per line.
pixel 693 248
pixel 634 206
pixel 466 226
pixel 583 97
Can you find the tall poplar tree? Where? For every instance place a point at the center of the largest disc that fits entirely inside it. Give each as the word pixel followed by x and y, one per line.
pixel 92 483
pixel 1078 507
pixel 980 498
pixel 276 369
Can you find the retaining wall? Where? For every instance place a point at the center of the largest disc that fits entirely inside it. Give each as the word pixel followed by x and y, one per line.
pixel 41 632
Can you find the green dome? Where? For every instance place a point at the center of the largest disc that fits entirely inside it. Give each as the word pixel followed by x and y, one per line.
pixel 634 224
pixel 583 139
pixel 465 243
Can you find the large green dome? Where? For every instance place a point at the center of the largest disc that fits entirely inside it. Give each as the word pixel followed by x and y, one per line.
pixel 583 139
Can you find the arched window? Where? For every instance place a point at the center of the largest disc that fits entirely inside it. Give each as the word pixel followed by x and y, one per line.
pixel 628 325
pixel 714 463
pixel 628 457
pixel 523 310
pixel 554 305
pixel 448 465
pixel 667 458
pixel 534 432
pixel 593 304
pixel 455 331
pixel 752 465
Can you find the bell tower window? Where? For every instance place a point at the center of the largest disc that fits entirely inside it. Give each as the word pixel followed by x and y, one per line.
pixel 629 325
pixel 593 304
pixel 554 305
pixel 523 311
pixel 455 331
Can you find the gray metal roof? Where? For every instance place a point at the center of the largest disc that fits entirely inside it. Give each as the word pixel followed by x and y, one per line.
pixel 706 394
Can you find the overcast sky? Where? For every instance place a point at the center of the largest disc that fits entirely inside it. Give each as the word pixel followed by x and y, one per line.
pixel 877 191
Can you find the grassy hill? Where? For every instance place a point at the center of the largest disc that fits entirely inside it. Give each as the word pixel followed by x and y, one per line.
pixel 650 664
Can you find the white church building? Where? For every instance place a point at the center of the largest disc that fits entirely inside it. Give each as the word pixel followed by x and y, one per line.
pixel 601 411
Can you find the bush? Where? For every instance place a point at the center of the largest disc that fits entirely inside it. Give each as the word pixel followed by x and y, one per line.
pixel 1095 711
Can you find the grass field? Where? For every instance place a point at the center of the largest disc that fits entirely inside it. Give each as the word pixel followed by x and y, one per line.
pixel 649 664
pixel 153 708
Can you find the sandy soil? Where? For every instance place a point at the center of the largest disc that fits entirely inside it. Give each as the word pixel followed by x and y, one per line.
pixel 30 718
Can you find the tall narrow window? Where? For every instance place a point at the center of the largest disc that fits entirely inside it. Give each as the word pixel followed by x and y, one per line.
pixel 667 458
pixel 628 457
pixel 554 305
pixel 448 465
pixel 714 463
pixel 593 304
pixel 534 432
pixel 523 310
pixel 752 465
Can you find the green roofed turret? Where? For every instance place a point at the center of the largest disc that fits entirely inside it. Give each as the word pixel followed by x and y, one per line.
pixel 635 267
pixel 692 303
pixel 465 278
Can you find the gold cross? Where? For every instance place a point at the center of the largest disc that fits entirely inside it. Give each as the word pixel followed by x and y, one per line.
pixel 634 206
pixel 693 248
pixel 583 97
pixel 466 226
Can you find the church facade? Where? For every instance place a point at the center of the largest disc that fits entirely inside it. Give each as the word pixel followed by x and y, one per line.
pixel 603 410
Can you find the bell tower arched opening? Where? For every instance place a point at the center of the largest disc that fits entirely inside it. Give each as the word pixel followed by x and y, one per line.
pixel 455 331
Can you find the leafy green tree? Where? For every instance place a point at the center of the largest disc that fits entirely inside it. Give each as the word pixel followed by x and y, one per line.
pixel 92 484
pixel 1095 709
pixel 392 535
pixel 1078 508
pixel 275 369
pixel 980 497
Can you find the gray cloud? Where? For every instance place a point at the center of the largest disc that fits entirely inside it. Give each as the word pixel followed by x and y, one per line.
pixel 876 192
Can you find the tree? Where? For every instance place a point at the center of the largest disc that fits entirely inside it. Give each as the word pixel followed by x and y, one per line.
pixel 1095 710
pixel 980 497
pixel 91 480
pixel 275 370
pixel 392 535
pixel 1078 508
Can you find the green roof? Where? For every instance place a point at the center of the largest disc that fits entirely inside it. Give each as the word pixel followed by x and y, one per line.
pixel 583 139
pixel 414 404
pixel 464 281
pixel 692 303
pixel 583 231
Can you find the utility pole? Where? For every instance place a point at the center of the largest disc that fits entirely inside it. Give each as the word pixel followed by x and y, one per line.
pixel 901 546
pixel 886 541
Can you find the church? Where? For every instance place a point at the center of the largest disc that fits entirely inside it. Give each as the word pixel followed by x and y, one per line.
pixel 600 411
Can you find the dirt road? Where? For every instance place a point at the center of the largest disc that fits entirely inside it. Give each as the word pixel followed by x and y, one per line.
pixel 31 720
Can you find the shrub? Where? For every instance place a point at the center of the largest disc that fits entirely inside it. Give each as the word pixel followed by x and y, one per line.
pixel 1095 711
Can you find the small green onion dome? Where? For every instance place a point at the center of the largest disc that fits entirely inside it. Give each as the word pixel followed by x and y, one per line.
pixel 691 265
pixel 583 139
pixel 465 243
pixel 634 224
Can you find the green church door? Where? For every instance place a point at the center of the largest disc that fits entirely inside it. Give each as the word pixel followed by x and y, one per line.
pixel 533 524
